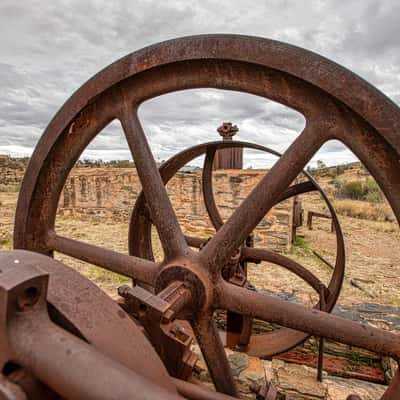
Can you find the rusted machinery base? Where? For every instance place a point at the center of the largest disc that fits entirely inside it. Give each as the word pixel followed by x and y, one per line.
pixel 336 366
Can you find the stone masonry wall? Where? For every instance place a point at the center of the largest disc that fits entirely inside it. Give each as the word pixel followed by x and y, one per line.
pixel 11 172
pixel 112 192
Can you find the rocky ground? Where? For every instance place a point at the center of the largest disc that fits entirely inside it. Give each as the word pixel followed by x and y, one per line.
pixel 298 381
pixel 372 255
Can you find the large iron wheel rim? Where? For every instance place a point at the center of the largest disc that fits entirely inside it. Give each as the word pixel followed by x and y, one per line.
pixel 336 104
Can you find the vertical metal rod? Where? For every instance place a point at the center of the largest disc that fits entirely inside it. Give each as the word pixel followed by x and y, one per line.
pixel 321 341
pixel 320 359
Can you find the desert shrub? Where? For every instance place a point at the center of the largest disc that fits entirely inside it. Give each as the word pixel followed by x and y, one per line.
pixel 5 242
pixel 86 162
pixel 354 190
pixel 121 164
pixel 363 210
pixel 321 164
pixel 332 172
pixel 373 191
pixel 300 242
pixel 10 188
pixel 359 190
pixel 340 169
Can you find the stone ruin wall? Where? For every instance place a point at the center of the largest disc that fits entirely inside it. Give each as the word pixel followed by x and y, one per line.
pixel 110 193
pixel 11 172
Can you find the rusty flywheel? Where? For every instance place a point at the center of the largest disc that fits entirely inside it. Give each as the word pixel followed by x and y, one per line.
pixel 187 285
pixel 140 242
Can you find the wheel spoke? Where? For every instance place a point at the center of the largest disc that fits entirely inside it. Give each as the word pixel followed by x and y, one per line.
pixel 195 241
pixel 162 213
pixel 291 265
pixel 214 355
pixel 311 321
pixel 263 197
pixel 209 199
pixel 208 194
pixel 134 267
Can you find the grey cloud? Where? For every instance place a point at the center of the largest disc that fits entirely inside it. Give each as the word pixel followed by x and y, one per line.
pixel 49 49
pixel 11 78
pixel 376 30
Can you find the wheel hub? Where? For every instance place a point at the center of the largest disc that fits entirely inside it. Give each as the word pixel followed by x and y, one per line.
pixel 194 280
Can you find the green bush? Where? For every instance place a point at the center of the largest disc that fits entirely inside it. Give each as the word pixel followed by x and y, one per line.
pixel 373 192
pixel 121 164
pixel 358 190
pixel 354 190
pixel 6 243
pixel 300 242
pixel 10 188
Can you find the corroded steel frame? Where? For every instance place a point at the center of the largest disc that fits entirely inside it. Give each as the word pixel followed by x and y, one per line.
pixel 63 360
pixel 51 360
pixel 336 105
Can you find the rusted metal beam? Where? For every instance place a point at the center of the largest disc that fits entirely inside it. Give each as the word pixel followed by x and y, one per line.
pixel 137 268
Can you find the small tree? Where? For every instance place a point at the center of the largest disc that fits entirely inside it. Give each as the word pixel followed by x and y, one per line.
pixel 321 164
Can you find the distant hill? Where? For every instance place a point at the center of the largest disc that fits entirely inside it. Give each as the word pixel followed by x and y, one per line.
pixel 333 171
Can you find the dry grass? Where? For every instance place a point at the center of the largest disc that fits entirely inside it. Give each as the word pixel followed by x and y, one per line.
pixel 364 210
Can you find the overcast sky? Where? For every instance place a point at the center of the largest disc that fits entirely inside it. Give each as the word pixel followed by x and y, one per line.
pixel 49 48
